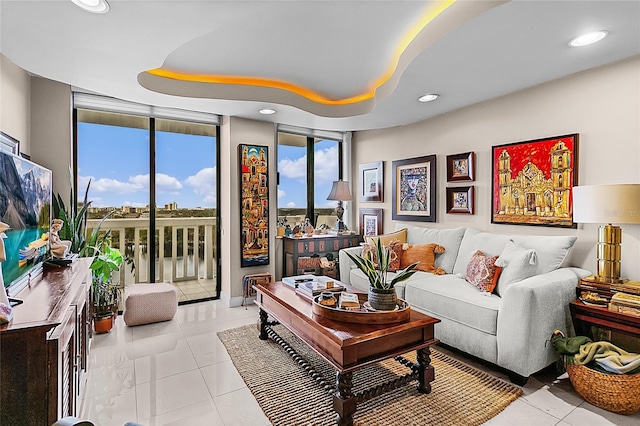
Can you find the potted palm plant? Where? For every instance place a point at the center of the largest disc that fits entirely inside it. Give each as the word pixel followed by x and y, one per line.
pixel 104 293
pixel 382 293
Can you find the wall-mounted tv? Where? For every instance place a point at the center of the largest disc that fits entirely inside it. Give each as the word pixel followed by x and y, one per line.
pixel 25 205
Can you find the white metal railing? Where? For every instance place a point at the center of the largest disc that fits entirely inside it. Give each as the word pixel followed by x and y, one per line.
pixel 198 251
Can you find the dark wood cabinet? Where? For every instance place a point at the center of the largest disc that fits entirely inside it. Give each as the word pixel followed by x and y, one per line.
pixel 44 349
pixel 298 251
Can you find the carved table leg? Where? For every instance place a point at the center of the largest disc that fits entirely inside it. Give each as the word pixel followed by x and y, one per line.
pixel 263 324
pixel 344 403
pixel 426 373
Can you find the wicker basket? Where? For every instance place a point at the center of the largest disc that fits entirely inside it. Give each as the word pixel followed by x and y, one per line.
pixel 619 393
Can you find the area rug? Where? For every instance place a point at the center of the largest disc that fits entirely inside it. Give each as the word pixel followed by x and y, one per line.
pixel 460 394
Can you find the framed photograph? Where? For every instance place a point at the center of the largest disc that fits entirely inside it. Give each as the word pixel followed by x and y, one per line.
pixel 414 189
pixel 254 204
pixel 9 144
pixel 371 181
pixel 460 199
pixel 532 181
pixel 461 167
pixel 370 222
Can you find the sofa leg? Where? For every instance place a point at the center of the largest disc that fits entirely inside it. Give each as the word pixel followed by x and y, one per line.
pixel 517 379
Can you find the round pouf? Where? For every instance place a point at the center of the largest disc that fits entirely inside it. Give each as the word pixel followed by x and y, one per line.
pixel 149 303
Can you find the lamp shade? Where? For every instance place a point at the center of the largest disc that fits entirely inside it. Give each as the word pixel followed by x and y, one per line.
pixel 619 203
pixel 340 191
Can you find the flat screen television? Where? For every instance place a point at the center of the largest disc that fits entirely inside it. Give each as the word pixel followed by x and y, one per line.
pixel 25 205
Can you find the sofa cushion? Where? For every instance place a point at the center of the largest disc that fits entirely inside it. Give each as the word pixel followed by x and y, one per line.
pixel 395 253
pixel 482 272
pixel 398 235
pixel 425 254
pixel 517 264
pixel 454 298
pixel 550 250
pixel 448 238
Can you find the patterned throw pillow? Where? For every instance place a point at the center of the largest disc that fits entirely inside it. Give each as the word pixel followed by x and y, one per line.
pixel 423 253
pixel 482 271
pixel 395 250
pixel 386 239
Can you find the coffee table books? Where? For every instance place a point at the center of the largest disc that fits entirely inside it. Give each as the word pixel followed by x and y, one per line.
pixel 297 279
pixel 309 289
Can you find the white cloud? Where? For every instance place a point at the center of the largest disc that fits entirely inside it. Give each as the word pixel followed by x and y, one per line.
pixel 106 185
pixel 204 184
pixel 294 169
pixel 326 165
pixel 291 204
pixel 281 193
pixel 164 183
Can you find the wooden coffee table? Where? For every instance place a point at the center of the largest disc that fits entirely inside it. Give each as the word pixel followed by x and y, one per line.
pixel 346 346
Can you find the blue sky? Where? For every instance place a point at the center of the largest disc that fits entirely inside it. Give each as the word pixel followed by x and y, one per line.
pixel 185 169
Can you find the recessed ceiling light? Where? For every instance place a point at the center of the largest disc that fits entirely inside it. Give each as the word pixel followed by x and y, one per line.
pixel 93 6
pixel 587 39
pixel 428 98
pixel 267 111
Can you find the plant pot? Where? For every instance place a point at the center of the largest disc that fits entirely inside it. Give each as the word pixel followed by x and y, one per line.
pixel 383 300
pixel 103 323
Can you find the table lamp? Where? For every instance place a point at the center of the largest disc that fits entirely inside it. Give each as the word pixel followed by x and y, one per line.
pixel 340 191
pixel 619 203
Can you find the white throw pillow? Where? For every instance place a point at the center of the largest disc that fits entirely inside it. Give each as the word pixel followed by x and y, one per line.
pixel 517 264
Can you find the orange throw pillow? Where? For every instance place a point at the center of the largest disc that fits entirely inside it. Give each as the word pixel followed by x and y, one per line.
pixel 423 253
pixel 395 252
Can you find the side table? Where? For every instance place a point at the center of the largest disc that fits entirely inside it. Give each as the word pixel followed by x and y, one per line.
pixel 295 248
pixel 584 316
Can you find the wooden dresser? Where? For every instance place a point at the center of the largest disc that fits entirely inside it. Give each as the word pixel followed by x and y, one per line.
pixel 44 349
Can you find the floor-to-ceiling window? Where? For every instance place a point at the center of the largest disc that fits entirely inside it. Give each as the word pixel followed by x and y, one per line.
pixel 156 174
pixel 307 166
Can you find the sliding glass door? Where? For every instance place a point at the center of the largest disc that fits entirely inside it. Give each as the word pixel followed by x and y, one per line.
pixel 154 174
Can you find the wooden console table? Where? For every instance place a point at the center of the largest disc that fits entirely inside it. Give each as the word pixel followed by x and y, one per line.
pixel 44 349
pixel 584 316
pixel 294 248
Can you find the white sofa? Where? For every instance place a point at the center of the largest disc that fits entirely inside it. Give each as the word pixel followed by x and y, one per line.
pixel 508 327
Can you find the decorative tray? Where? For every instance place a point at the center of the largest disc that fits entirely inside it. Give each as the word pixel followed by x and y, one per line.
pixel 363 315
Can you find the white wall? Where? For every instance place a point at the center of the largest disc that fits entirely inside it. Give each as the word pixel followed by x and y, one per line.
pixel 15 103
pixel 602 105
pixel 51 130
pixel 233 132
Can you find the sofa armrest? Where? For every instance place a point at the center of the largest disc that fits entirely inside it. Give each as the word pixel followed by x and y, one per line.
pixel 530 311
pixel 346 264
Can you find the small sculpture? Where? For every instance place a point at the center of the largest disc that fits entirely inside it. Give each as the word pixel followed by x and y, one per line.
pixel 59 248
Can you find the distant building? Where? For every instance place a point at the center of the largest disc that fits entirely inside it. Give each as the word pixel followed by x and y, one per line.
pixel 171 206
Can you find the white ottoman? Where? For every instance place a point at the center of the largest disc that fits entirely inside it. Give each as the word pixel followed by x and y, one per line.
pixel 148 303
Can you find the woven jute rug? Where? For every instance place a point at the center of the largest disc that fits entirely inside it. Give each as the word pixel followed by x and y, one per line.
pixel 460 394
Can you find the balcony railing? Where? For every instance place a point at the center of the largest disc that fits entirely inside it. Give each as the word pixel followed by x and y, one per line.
pixel 185 247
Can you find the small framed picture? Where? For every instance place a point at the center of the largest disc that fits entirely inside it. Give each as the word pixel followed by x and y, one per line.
pixel 460 199
pixel 461 167
pixel 370 222
pixel 371 181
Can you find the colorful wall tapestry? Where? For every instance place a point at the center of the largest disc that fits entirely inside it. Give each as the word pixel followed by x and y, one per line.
pixel 254 208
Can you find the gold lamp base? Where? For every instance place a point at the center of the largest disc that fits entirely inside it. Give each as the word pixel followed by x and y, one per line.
pixel 609 253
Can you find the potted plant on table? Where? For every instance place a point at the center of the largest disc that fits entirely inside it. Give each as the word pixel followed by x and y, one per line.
pixel 382 293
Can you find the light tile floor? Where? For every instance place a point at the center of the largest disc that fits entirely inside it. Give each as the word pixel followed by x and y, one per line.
pixel 178 373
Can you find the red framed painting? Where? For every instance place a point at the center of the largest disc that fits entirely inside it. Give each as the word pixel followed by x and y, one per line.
pixel 532 181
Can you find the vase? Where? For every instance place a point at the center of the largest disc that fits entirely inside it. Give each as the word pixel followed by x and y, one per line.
pixel 383 299
pixel 103 323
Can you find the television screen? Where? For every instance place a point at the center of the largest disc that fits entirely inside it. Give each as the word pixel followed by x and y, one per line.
pixel 25 206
